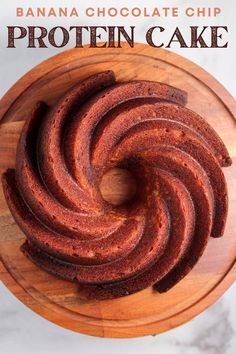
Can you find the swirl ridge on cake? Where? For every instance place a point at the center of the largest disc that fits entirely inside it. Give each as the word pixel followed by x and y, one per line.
pixel 54 192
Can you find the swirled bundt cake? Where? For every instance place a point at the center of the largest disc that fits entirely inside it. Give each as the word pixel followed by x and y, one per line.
pixel 159 235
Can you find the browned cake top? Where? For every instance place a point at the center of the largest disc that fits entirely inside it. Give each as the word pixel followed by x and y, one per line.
pixel 175 157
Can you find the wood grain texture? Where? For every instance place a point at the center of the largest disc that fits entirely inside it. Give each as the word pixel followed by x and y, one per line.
pixel 146 312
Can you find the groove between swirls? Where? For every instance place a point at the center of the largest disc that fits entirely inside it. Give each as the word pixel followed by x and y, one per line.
pixel 175 157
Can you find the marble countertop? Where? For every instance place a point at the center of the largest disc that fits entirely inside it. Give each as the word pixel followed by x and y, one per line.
pixel 24 332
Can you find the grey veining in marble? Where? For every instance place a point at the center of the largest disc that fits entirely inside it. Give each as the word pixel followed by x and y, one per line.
pixel 24 332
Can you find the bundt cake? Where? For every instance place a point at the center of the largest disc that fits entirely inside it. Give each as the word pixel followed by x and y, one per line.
pixel 154 239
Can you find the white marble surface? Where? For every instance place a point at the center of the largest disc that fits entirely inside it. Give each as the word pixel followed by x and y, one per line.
pixel 24 332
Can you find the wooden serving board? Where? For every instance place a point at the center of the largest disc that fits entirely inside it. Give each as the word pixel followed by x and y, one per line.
pixel 146 312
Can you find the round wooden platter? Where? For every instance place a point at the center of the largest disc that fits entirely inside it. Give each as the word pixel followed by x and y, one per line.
pixel 146 312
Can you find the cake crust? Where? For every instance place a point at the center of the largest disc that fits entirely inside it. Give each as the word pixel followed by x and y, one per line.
pixel 175 157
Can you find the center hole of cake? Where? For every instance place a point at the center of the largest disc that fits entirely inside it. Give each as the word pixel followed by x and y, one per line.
pixel 118 186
